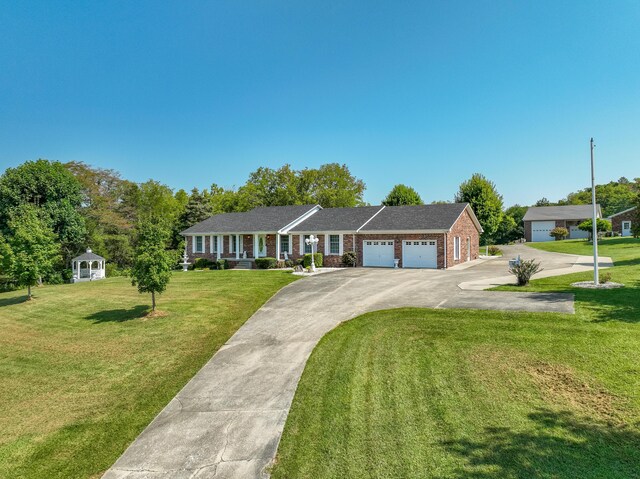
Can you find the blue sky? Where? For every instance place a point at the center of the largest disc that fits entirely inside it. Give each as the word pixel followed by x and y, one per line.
pixel 422 93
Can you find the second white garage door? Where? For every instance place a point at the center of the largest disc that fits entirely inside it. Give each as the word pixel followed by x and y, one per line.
pixel 377 253
pixel 419 254
pixel 540 230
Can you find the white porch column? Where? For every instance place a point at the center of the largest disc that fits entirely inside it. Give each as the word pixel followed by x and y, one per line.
pixel 277 246
pixel 90 269
pixel 255 245
pixel 220 245
pixel 237 246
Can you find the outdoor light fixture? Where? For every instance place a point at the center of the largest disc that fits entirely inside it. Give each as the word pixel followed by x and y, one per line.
pixel 313 241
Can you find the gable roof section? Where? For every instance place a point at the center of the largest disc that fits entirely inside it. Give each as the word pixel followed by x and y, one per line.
pixel 439 217
pixel 337 219
pixel 264 219
pixel 623 212
pixel 566 212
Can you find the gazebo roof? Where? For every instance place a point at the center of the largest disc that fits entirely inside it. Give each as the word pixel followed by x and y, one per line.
pixel 88 256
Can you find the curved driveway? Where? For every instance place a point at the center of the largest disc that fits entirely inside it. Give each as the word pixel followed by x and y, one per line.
pixel 227 421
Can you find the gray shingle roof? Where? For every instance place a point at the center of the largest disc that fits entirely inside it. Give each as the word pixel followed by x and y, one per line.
pixel 88 256
pixel 364 218
pixel 567 212
pixel 416 218
pixel 263 219
pixel 337 219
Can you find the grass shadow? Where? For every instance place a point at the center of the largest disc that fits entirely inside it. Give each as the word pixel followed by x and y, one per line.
pixel 118 315
pixel 558 445
pixel 620 304
pixel 13 300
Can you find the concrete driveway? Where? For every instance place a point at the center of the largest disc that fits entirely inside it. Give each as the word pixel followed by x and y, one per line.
pixel 227 421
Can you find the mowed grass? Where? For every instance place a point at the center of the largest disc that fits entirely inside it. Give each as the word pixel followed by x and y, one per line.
pixel 445 393
pixel 82 371
pixel 598 305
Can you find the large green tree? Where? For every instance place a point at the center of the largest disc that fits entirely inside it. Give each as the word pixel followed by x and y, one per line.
pixel 402 195
pixel 153 263
pixel 109 226
pixel 198 207
pixel 613 197
pixel 331 185
pixel 485 201
pixel 50 187
pixel 34 248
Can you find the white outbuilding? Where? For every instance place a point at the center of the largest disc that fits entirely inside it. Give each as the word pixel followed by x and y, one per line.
pixel 88 267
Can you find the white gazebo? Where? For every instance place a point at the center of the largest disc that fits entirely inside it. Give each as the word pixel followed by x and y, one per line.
pixel 87 267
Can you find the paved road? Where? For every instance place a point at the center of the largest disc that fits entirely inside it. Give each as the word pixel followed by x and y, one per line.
pixel 227 421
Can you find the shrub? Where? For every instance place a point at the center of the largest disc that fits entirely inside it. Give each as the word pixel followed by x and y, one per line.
pixel 202 263
pixel 266 263
pixel 349 258
pixel 289 263
pixel 601 226
pixel 221 264
pixel 494 251
pixel 559 233
pixel 524 271
pixel 317 259
pixel 111 270
pixel 605 277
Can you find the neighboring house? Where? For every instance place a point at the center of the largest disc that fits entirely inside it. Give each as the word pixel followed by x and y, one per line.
pixel 427 236
pixel 540 220
pixel 621 222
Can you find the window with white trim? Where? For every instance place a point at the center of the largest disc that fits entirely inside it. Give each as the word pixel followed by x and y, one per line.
pixel 232 243
pixel 199 245
pixel 284 243
pixel 307 247
pixel 334 244
pixel 626 225
pixel 456 248
pixel 213 246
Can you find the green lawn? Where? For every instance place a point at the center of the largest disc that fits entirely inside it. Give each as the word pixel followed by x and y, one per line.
pixel 82 372
pixel 445 393
pixel 620 249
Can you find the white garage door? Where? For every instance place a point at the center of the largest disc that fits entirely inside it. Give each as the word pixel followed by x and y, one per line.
pixel 575 233
pixel 377 253
pixel 540 230
pixel 419 254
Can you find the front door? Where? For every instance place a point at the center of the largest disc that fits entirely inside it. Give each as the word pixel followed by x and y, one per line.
pixel 262 246
pixel 626 228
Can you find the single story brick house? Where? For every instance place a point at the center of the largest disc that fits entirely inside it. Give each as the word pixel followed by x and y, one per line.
pixel 621 222
pixel 426 236
pixel 540 220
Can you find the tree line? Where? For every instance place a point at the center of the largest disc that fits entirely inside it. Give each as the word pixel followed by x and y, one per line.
pixel 50 211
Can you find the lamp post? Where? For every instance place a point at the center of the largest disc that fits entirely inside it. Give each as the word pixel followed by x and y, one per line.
pixel 596 278
pixel 313 241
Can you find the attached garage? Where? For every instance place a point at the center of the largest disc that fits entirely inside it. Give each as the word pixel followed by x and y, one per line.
pixel 378 253
pixel 540 230
pixel 419 254
pixel 577 233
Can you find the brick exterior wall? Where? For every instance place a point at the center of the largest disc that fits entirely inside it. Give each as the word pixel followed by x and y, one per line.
pixel 465 230
pixel 527 231
pixel 616 221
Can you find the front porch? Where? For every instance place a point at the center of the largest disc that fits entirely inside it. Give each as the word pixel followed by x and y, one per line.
pixel 240 246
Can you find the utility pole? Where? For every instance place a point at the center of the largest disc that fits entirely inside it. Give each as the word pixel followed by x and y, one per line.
pixel 596 277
